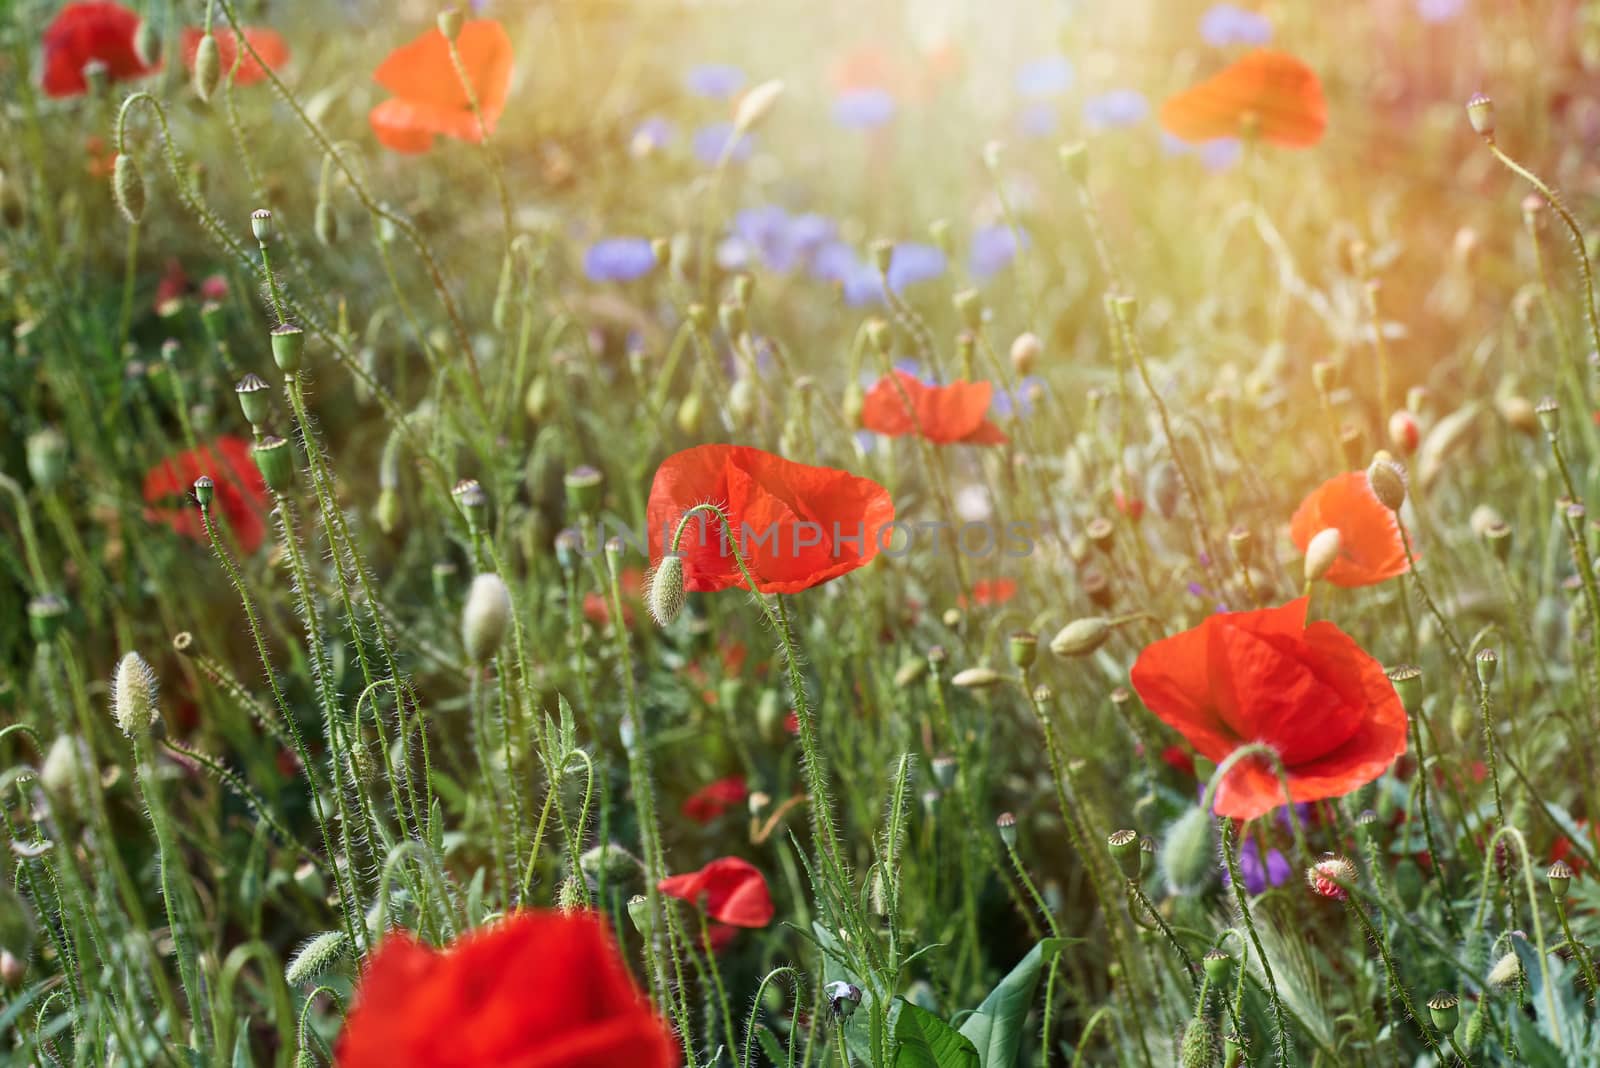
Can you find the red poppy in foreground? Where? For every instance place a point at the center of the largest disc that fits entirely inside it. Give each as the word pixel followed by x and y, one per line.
pixel 241 495
pixel 1370 547
pixel 945 415
pixel 536 990
pixel 796 526
pixel 428 96
pixel 1309 692
pixel 82 33
pixel 714 799
pixel 271 47
pixel 1266 94
pixel 729 890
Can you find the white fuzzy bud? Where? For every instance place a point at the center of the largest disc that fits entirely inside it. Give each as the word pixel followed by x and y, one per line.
pixel 485 617
pixel 133 695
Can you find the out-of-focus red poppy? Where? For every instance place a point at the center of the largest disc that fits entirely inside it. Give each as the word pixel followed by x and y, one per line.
pixel 268 44
pixel 991 592
pixel 902 403
pixel 1370 547
pixel 173 286
pixel 536 990
pixel 795 525
pixel 1178 759
pixel 82 33
pixel 102 159
pixel 714 799
pixel 1310 692
pixel 241 495
pixel 730 890
pixel 429 98
pixel 597 605
pixel 1265 94
pixel 1128 505
pixel 214 287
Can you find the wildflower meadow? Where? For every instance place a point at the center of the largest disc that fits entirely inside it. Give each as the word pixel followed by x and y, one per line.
pixel 860 533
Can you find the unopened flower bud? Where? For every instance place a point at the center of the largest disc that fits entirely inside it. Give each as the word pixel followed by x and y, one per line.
pixel 485 617
pixel 1198 1049
pixel 450 22
pixel 147 43
pixel 275 460
pixel 1081 637
pixel 1388 484
pixel 133 695
pixel 127 187
pixel 1480 112
pixel 843 998
pixel 1187 856
pixel 325 223
pixel 13 970
pixel 755 104
pixel 1322 552
pixel 664 592
pixel 1331 876
pixel 1075 161
pixel 1404 434
pixel 1025 352
pixel 207 67
pixel 47 457
pixel 976 678
pixel 910 672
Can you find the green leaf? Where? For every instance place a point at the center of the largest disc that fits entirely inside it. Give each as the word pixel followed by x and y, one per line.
pixel 995 1027
pixel 925 1041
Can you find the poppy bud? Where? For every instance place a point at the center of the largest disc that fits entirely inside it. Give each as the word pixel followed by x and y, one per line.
pixel 852 404
pixel 1445 1009
pixel 1081 637
pixel 13 970
pixel 1549 413
pixel 254 399
pixel 204 490
pixel 936 657
pixel 1498 535
pixel 1124 845
pixel 1506 970
pixel 755 104
pixel 1218 964
pixel 207 67
pixel 1023 648
pixel 1187 857
pixel 584 486
pixel 127 187
pixel 879 336
pixel 1199 1046
pixel 275 460
pixel 1006 825
pixel 288 345
pixel 977 678
pixel 1388 484
pixel 1487 661
pixel 688 415
pixel 1463 719
pixel 47 458
pixel 1099 531
pixel 966 349
pixel 450 21
pixel 742 400
pixel 910 672
pixel 1560 877
pixel 843 998
pixel 1075 161
pixel 485 617
pixel 1025 352
pixel 1403 432
pixel 969 305
pixel 1480 112
pixel 147 43
pixel 133 695
pixel 472 501
pixel 1331 876
pixel 664 592
pixel 316 957
pixel 1519 414
pixel 1322 551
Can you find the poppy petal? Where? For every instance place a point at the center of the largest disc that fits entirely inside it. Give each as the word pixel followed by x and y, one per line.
pixel 1275 91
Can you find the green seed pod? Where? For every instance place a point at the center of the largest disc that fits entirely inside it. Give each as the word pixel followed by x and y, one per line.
pixel 1023 648
pixel 639 913
pixel 127 187
pixel 1218 964
pixel 1560 877
pixel 472 501
pixel 1488 662
pixel 288 347
pixel 1075 161
pixel 1187 855
pixel 688 414
pixel 1081 637
pixel 204 491
pixel 450 22
pixel 255 399
pixel 1232 1050
pixel 261 225
pixel 1463 719
pixel 1006 825
pixel 485 617
pixel 969 305
pixel 1407 680
pixel 316 957
pixel 1480 113
pixel 1445 1009
pixel 1124 846
pixel 944 771
pixel 275 459
pixel 664 592
pixel 133 695
pixel 47 458
pixel 585 488
pixel 939 231
pixel 882 253
pixel 207 67
pixel 1408 882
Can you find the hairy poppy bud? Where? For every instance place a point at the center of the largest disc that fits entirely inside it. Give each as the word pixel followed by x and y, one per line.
pixel 1321 553
pixel 1199 1046
pixel 1403 432
pixel 1480 112
pixel 1445 1009
pixel 1006 825
pixel 1506 970
pixel 969 305
pixel 1025 352
pixel 1187 858
pixel 207 67
pixel 976 678
pixel 1081 637
pixel 133 695
pixel 317 956
pixel 1331 876
pixel 288 345
pixel 485 617
pixel 1218 964
pixel 664 592
pixel 1560 877
pixel 47 457
pixel 843 998
pixel 1388 483
pixel 1124 846
pixel 910 672
pixel 13 970
pixel 127 187
pixel 1023 648
pixel 254 399
pixel 450 21
pixel 275 460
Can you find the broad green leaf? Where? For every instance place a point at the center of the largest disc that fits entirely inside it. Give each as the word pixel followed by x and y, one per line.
pixel 925 1041
pixel 995 1027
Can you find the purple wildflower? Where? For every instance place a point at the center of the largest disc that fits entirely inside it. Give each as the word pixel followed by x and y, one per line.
pixel 651 135
pixel 1258 876
pixel 1119 107
pixel 711 141
pixel 716 81
pixel 619 259
pixel 863 109
pixel 1039 119
pixel 1047 76
pixel 993 249
pixel 1228 24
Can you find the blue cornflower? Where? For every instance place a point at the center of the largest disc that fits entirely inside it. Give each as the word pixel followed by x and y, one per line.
pixel 652 134
pixel 1119 107
pixel 717 81
pixel 1020 402
pixel 1048 76
pixel 993 249
pixel 1039 119
pixel 619 259
pixel 863 109
pixel 711 141
pixel 1227 24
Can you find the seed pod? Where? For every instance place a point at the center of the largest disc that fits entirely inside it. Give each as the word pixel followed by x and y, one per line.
pixel 255 399
pixel 1218 964
pixel 288 346
pixel 275 460
pixel 664 591
pixel 1124 845
pixel 1075 161
pixel 485 617
pixel 207 67
pixel 1023 648
pixel 1006 825
pixel 450 22
pixel 127 187
pixel 133 695
pixel 1560 877
pixel 1187 857
pixel 1480 113
pixel 1487 661
pixel 585 489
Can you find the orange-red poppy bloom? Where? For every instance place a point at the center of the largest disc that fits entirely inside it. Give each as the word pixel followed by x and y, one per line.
pixel 597 605
pixel 1309 692
pixel 903 404
pixel 795 525
pixel 729 890
pixel 272 48
pixel 1370 546
pixel 991 592
pixel 536 990
pixel 81 33
pixel 240 494
pixel 1266 94
pixel 714 799
pixel 429 98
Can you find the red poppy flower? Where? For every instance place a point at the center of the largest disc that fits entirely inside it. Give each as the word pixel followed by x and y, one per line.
pixel 1309 692
pixel 241 496
pixel 942 414
pixel 730 890
pixel 1370 548
pixel 597 605
pixel 271 47
pixel 173 286
pixel 536 990
pixel 795 525
pixel 84 32
pixel 1267 94
pixel 1130 506
pixel 1178 759
pixel 714 799
pixel 992 591
pixel 102 159
pixel 1563 849
pixel 428 96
